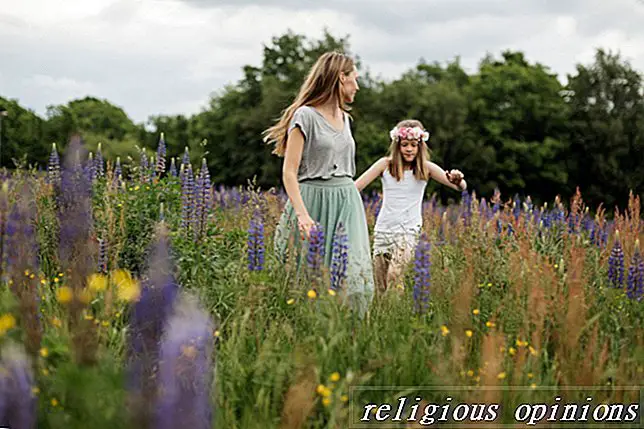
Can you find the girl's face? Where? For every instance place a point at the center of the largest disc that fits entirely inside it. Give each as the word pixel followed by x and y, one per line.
pixel 409 150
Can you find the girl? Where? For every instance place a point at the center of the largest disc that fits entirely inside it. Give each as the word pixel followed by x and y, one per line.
pixel 314 136
pixel 404 174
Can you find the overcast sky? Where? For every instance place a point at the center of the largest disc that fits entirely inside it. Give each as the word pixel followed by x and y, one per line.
pixel 167 56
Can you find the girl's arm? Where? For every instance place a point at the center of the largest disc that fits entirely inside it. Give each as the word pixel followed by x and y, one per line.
pixel 370 175
pixel 292 159
pixel 438 174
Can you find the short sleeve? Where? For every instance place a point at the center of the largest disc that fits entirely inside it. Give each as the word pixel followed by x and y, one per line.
pixel 301 119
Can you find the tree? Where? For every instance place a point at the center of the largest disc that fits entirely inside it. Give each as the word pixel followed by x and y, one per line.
pixel 22 134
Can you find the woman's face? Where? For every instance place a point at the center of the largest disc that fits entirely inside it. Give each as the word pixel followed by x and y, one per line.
pixel 349 84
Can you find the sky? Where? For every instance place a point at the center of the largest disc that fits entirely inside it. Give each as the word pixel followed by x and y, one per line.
pixel 168 56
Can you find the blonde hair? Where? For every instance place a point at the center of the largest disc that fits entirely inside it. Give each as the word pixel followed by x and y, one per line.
pixel 396 162
pixel 321 85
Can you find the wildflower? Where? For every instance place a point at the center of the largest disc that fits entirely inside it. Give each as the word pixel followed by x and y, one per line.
pixel 490 324
pixel 521 343
pixel 44 352
pixel 476 311
pixel 311 294
pixel 533 352
pixel 468 333
pixel 97 282
pixel 256 247
pixel 7 322
pixel 339 258
pixel 161 153
pixel 186 379
pixel 290 301
pixel 635 281
pixel 16 377
pixel 332 292
pixel 533 386
pixel 326 402
pixel 470 373
pixel 512 351
pixel 444 330
pixel 335 377
pixel 127 288
pixel 64 295
pixel 53 167
pixel 315 255
pixel 501 375
pixel 84 296
pixel 56 322
pixel 616 264
pixel 530 375
pixel 54 402
pixel 344 398
pixel 422 269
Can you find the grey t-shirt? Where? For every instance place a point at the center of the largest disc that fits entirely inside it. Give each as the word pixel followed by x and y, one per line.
pixel 327 152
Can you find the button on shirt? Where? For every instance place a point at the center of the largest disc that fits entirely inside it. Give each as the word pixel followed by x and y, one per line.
pixel 328 152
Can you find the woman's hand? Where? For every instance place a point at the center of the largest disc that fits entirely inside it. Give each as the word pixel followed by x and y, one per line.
pixel 305 223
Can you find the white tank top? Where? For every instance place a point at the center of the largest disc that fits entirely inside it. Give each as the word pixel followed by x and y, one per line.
pixel 402 202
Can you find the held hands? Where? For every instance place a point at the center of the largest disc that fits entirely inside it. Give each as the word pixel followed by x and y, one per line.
pixel 456 177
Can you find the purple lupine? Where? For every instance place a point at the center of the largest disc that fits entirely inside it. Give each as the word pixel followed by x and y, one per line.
pixel 339 259
pixel 150 315
pixel 256 246
pixel 483 209
pixel 198 204
pixel 90 168
pixel 99 169
pixel 18 404
pixel 144 166
pixel 187 192
pixel 186 156
pixel 161 153
pixel 206 187
pixel 315 254
pixel 635 281
pixel 466 201
pixel 118 173
pixel 497 200
pixel 422 277
pixel 53 167
pixel 173 168
pixel 616 265
pixel 186 371
pixel 516 207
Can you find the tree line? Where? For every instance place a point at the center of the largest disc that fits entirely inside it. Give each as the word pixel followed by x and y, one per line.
pixel 511 125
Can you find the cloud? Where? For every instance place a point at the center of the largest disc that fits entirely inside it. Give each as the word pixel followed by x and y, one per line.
pixel 167 56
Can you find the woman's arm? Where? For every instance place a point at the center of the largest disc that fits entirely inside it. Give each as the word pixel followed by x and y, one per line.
pixel 370 175
pixel 439 175
pixel 292 159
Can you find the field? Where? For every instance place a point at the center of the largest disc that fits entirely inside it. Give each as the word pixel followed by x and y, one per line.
pixel 144 296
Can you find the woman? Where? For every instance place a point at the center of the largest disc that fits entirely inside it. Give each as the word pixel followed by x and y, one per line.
pixel 314 137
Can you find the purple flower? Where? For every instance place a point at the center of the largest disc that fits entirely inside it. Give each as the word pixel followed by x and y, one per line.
pixel 339 257
pixel 150 315
pixel 422 270
pixel 118 173
pixel 186 157
pixel 145 166
pixel 187 192
pixel 256 246
pixel 53 168
pixel 616 265
pixel 18 404
pixel 185 371
pixel 102 256
pixel 161 152
pixel 173 168
pixel 315 255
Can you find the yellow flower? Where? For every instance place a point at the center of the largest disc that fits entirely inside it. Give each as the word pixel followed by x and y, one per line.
pixel 331 292
pixel 137 187
pixel 444 330
pixel 311 294
pixel 344 398
pixel 326 402
pixel 26 273
pixel 290 301
pixel 322 390
pixel 97 282
pixel 216 334
pixel 105 323
pixel 501 376
pixel 512 351
pixel 476 311
pixel 54 402
pixel 470 373
pixel 127 287
pixel 64 295
pixel 60 274
pixel 533 352
pixel 489 285
pixel 44 352
pixel 521 343
pixel 43 282
pixel 89 317
pixel 533 386
pixel 35 390
pixel 45 372
pixel 7 322
pixel 490 324
pixel 530 375
pixel 469 333
pixel 32 276
pixel 335 377
pixel 56 322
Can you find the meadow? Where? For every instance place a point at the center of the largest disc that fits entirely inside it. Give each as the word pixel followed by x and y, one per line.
pixel 141 295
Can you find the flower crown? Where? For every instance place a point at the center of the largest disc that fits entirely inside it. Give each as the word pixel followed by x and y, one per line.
pixel 408 133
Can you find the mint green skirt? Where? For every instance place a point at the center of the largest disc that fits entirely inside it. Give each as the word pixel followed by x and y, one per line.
pixel 331 202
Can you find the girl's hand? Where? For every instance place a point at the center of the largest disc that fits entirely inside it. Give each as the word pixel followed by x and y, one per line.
pixel 305 223
pixel 455 177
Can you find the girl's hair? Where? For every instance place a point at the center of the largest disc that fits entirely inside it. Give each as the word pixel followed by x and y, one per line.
pixel 419 165
pixel 321 84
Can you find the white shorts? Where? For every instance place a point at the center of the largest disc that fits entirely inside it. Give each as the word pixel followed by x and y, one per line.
pixel 394 243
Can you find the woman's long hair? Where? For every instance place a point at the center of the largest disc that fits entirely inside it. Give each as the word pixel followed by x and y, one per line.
pixel 321 85
pixel 397 163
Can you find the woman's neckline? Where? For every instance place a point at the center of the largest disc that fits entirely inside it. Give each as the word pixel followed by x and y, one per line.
pixel 344 122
